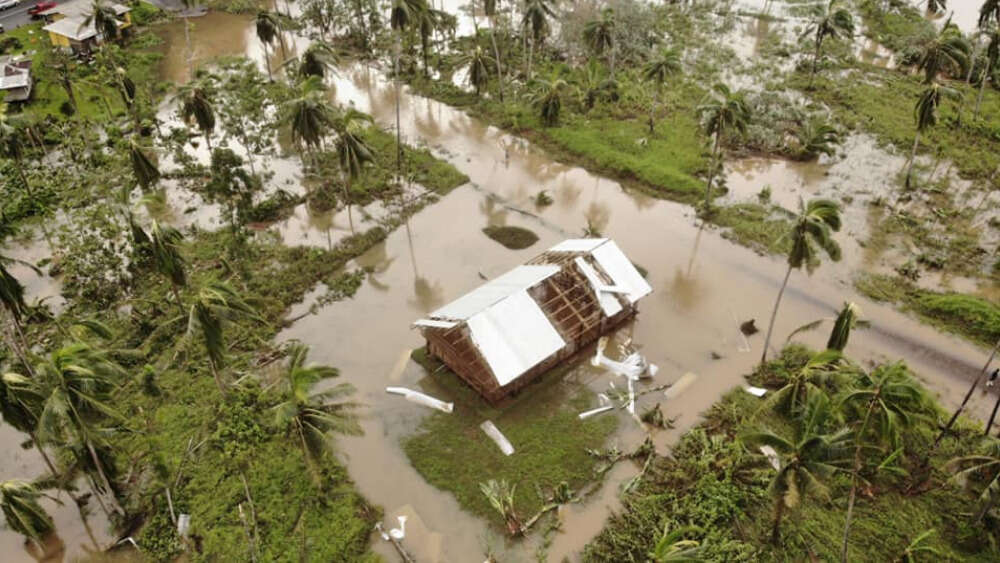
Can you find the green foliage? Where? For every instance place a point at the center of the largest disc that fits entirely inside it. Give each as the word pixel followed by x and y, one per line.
pixel 514 238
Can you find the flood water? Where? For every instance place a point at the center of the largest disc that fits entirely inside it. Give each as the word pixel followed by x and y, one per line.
pixel 704 286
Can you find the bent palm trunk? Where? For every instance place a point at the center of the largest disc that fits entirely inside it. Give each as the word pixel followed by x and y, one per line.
pixel 774 315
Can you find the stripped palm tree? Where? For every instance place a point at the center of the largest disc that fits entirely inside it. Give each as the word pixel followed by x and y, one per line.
pixel 311 416
pixel 12 300
pixel 949 52
pixel 490 9
pixel 926 114
pixel 667 63
pixel 352 151
pixel 309 115
pixel 267 26
pixel 23 514
pixel 535 19
pixel 726 110
pixel 992 58
pixel 830 22
pixel 989 12
pixel 811 231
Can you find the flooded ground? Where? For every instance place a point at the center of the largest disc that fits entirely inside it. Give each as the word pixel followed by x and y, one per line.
pixel 704 286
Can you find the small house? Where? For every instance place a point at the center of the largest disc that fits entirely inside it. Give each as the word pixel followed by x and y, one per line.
pixel 68 28
pixel 15 80
pixel 504 334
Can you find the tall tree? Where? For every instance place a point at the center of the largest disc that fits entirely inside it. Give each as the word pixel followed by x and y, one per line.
pixel 889 400
pixel 104 19
pixel 809 456
pixel 535 23
pixel 813 228
pixel 215 304
pixel 404 15
pixel 599 35
pixel 830 22
pixel 992 57
pixel 667 63
pixel 311 416
pixel 23 514
pixel 310 114
pixel 475 63
pixel 196 105
pixel 267 27
pixel 807 381
pixel 725 111
pixel 490 9
pixel 949 52
pixel 926 115
pixel 548 98
pixel 352 151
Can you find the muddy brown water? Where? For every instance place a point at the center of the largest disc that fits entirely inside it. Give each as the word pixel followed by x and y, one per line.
pixel 703 287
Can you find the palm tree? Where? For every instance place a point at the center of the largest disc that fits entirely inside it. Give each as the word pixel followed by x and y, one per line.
pixel 500 495
pixel 21 401
pixel 548 97
pixel 813 227
pixel 917 546
pixel 12 145
pixel 352 151
pixel 77 382
pixel 992 57
pixel 949 52
pixel 145 171
pixel 23 514
pixel 196 105
pixel 726 110
pixel 319 59
pixel 428 19
pixel 989 12
pixel 216 303
pixel 666 64
pixel 831 22
pixel 309 115
pixel 817 137
pixel 126 88
pixel 673 548
pixel 490 9
pixel 985 465
pixel 401 17
pixel 926 115
pixel 791 398
pixel 311 417
pixel 102 15
pixel 599 35
pixel 12 300
pixel 536 19
pixel 475 62
pixel 809 456
pixel 267 30
pixel 889 398
pixel 164 245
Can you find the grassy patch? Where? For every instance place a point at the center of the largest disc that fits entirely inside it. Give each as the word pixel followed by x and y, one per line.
pixel 514 238
pixel 550 442
pixel 419 165
pixel 755 226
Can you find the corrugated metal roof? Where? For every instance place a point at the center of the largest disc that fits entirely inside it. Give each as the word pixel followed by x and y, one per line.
pixel 609 303
pixel 514 335
pixel 18 79
pixel 578 245
pixel 614 262
pixel 72 28
pixel 494 291
pixel 435 324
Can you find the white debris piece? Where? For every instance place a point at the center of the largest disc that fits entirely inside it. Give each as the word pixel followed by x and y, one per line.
pixel 183 524
pixel 494 433
pixel 631 368
pixel 772 457
pixel 421 399
pixel 603 399
pixel 755 391
pixel 680 385
pixel 594 412
pixel 400 532
pixel 631 396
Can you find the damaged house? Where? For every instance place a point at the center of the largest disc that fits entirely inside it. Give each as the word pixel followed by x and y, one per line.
pixel 504 334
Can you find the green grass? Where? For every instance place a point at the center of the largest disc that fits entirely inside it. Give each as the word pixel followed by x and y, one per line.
pixel 550 442
pixel 755 226
pixel 419 164
pixel 515 238
pixel 973 317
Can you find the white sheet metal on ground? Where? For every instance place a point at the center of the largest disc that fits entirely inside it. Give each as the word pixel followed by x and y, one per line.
pixel 755 391
pixel 513 336
pixel 578 245
pixel 494 433
pixel 609 303
pixel 621 270
pixel 434 324
pixel 494 291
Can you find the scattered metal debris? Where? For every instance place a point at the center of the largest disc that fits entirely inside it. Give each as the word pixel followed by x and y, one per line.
pixel 421 399
pixel 772 457
pixel 594 412
pixel 755 391
pixel 494 433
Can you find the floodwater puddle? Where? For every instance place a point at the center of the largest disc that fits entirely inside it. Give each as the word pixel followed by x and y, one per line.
pixel 38 284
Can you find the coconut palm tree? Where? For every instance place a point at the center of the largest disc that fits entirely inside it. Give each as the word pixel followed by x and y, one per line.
pixel 890 400
pixel 673 548
pixel 926 114
pixel 77 382
pixel 813 228
pixel 816 137
pixel 352 151
pixel 599 35
pixel 145 171
pixel 310 416
pixel 500 495
pixel 535 18
pixel 490 9
pixel 164 245
pixel 195 100
pixel 726 110
pixel 667 63
pixel 319 59
pixel 831 22
pixel 989 12
pixel 23 514
pixel 21 401
pixel 809 456
pixel 102 15
pixel 402 16
pixel 846 320
pixel 809 380
pixel 992 57
pixel 475 63
pixel 267 27
pixel 428 20
pixel 948 52
pixel 215 304
pixel 548 98
pixel 984 467
pixel 310 115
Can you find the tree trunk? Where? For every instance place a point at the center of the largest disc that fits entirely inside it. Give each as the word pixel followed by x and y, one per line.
pixel 774 315
pixel 359 13
pixel 218 378
pixel 531 55
pixel 819 47
pixel 614 50
pixel 779 511
pixel 852 496
pixel 86 523
pixel 267 61
pixel 19 346
pixel 104 478
pixel 913 158
pixel 993 416
pixel 187 43
pixel 711 172
pixel 496 54
pixel 965 400
pixel 982 86
pixel 652 110
pixel 399 134
pixel 45 456
pixel 347 202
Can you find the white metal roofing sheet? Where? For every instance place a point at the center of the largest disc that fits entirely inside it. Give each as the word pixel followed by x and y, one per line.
pixel 434 324
pixel 609 303
pixel 613 261
pixel 494 291
pixel 578 245
pixel 513 336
